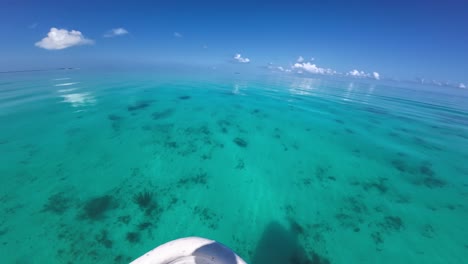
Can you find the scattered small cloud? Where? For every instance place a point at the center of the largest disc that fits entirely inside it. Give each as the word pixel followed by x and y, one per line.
pixel 303 66
pixel 363 74
pixel 33 26
pixel 357 73
pixel 177 35
pixel 443 84
pixel 238 57
pixel 283 69
pixel 312 68
pixel 58 39
pixel 116 32
pixel 376 75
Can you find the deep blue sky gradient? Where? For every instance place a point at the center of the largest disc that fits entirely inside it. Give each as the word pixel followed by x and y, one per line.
pixel 399 39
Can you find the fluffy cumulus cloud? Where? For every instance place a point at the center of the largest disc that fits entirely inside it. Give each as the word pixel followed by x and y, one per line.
pixel 279 68
pixel 356 73
pixel 362 74
pixel 58 39
pixel 116 32
pixel 238 57
pixel 303 66
pixel 177 35
pixel 376 75
pixel 312 68
pixel 462 85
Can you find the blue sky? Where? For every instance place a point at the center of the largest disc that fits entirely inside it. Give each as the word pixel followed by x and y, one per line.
pixel 406 39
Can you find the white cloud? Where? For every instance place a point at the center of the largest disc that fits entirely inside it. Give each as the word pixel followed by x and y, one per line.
pixel 279 68
pixel 312 68
pixel 376 75
pixel 362 74
pixel 357 73
pixel 116 32
pixel 461 85
pixel 177 35
pixel 300 59
pixel 61 39
pixel 241 59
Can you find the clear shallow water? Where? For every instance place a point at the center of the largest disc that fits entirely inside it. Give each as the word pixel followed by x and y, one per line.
pixel 106 166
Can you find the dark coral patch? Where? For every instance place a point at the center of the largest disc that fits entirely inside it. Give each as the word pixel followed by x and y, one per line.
pixel 57 203
pixel 240 164
pixel 133 237
pixel 200 178
pixel 144 226
pixel 430 180
pixel 255 111
pixel 3 231
pixel 96 208
pixel 377 237
pixel 145 201
pixel 296 227
pixel 339 121
pixel 162 114
pixel 433 182
pixel 379 185
pixel 140 105
pixel 400 165
pixel 425 169
pixel 125 219
pixel 392 223
pixel 184 97
pixel 207 216
pixel 240 142
pixel 103 239
pixel 114 117
pixel 171 144
pixel 122 259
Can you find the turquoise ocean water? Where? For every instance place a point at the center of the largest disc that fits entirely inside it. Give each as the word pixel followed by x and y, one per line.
pixel 102 167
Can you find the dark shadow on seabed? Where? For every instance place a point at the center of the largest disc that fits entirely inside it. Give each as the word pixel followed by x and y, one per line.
pixel 276 246
pixel 281 246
